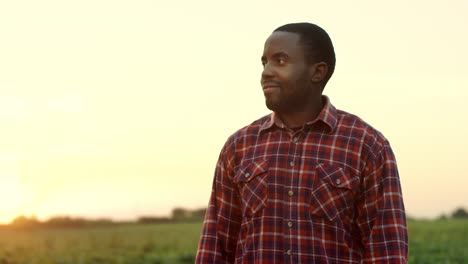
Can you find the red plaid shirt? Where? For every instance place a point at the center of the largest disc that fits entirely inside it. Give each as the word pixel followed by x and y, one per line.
pixel 327 193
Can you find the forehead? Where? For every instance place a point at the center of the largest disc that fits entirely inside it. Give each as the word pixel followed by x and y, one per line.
pixel 285 42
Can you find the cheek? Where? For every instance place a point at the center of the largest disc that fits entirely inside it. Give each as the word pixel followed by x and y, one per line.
pixel 287 78
pixel 296 82
pixel 303 79
pixel 293 78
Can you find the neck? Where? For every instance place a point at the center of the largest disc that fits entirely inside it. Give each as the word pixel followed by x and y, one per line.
pixel 298 118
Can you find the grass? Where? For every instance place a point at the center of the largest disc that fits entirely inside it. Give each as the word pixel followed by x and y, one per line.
pixel 135 243
pixel 442 241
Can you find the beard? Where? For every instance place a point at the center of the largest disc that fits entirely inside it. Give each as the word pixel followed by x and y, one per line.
pixel 291 97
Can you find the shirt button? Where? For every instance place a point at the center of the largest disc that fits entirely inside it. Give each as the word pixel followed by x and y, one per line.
pixel 337 181
pixel 288 252
pixel 290 224
pixel 290 193
pixel 291 163
pixel 247 175
pixel 295 140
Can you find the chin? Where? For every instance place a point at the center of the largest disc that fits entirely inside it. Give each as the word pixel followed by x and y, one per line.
pixel 272 105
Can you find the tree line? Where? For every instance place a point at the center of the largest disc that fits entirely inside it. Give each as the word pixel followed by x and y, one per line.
pixel 459 213
pixel 177 215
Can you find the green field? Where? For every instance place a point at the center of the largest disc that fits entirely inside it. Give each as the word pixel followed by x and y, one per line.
pixel 442 241
pixel 430 242
pixel 132 243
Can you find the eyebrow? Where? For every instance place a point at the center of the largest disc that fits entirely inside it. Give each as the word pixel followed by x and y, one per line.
pixel 277 55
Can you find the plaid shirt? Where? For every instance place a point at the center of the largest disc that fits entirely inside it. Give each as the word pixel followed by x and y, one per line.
pixel 327 193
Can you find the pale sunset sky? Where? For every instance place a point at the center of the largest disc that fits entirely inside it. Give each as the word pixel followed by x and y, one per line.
pixel 119 108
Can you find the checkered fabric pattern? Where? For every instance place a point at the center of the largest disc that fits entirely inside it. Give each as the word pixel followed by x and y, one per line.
pixel 326 193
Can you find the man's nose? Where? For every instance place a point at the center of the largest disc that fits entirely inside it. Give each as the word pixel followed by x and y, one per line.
pixel 267 71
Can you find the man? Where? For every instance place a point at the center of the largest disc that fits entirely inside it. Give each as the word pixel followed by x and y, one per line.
pixel 308 183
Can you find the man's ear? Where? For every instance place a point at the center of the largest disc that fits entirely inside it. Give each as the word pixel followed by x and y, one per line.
pixel 318 71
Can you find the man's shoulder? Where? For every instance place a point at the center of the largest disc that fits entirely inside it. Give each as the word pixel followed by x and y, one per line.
pixel 249 131
pixel 354 126
pixel 252 128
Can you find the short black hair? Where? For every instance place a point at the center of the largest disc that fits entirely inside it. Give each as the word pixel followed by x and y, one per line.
pixel 318 45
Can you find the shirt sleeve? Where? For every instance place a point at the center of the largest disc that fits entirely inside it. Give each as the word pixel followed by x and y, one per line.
pixel 223 218
pixel 380 211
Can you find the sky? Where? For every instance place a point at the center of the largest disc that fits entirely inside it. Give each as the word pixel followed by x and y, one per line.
pixel 119 109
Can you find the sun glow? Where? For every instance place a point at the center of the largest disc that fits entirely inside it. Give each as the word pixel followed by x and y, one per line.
pixel 10 187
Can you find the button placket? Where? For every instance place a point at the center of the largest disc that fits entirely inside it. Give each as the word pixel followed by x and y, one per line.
pixel 293 162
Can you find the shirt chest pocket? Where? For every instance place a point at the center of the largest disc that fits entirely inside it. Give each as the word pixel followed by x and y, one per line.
pixel 333 193
pixel 251 180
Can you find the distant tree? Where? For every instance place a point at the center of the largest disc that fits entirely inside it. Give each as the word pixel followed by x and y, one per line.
pixel 182 214
pixel 102 221
pixel 65 221
pixel 199 214
pixel 152 220
pixel 24 222
pixel 442 217
pixel 460 213
pixel 179 214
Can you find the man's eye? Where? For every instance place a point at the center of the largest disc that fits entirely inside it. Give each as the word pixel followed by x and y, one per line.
pixel 281 61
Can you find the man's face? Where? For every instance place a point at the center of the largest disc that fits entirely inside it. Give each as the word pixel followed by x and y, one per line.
pixel 286 76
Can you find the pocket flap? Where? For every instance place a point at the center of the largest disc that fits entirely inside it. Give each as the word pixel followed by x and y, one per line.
pixel 247 172
pixel 335 176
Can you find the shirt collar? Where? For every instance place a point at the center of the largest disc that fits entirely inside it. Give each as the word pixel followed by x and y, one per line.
pixel 327 115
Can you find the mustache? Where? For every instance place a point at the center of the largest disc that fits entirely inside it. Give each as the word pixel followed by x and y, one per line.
pixel 266 83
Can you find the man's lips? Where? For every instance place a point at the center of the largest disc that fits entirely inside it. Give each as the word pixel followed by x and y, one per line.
pixel 269 89
pixel 270 86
